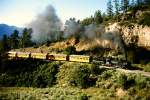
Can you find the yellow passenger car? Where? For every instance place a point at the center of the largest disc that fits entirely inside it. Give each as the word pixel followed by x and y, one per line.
pixel 79 58
pixel 59 57
pixel 23 54
pixel 12 54
pixel 38 55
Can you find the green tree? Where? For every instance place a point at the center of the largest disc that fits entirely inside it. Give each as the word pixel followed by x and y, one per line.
pixel 79 76
pixel 116 7
pixel 132 3
pixel 110 9
pixel 105 17
pixel 139 2
pixel 70 50
pixel 124 5
pixel 4 43
pixel 87 21
pixel 147 3
pixel 14 39
pixel 26 38
pixel 98 17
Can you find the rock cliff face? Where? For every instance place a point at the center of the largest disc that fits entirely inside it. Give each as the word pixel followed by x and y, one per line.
pixel 143 33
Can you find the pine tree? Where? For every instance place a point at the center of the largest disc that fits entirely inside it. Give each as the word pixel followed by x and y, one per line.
pixel 26 38
pixel 14 39
pixel 116 7
pixel 124 5
pixel 110 9
pixel 98 17
pixel 87 21
pixel 147 2
pixel 4 44
pixel 132 3
pixel 105 18
pixel 139 2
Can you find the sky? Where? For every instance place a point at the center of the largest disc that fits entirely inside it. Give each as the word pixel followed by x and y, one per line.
pixel 21 12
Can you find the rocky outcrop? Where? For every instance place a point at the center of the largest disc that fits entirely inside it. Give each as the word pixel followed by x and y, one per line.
pixel 143 33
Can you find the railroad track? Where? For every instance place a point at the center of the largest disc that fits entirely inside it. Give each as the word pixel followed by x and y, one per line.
pixel 147 74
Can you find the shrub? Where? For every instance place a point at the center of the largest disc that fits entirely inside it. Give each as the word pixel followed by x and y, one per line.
pixel 126 81
pixel 45 75
pixel 83 97
pixel 98 50
pixel 70 50
pixel 131 56
pixel 122 81
pixel 147 67
pixel 80 76
pixel 48 43
pixel 24 79
pixel 7 80
pixel 35 46
pixel 74 74
pixel 132 80
pixel 96 70
pixel 145 19
pixel 107 74
pixel 28 73
pixel 141 82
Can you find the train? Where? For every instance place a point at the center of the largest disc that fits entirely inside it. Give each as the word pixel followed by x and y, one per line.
pixel 106 61
pixel 51 57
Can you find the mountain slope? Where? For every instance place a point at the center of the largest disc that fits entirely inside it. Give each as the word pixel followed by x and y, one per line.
pixel 8 30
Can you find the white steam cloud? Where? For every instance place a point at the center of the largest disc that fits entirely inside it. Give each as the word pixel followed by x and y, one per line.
pixel 73 28
pixel 92 31
pixel 115 38
pixel 46 26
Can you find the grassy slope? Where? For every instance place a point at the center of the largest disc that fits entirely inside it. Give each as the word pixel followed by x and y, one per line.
pixel 59 93
pixel 109 84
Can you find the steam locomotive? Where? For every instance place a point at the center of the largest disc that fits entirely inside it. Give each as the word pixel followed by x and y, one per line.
pixel 72 58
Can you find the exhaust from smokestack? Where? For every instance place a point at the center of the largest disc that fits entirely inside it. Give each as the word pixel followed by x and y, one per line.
pixel 72 27
pixel 92 32
pixel 46 26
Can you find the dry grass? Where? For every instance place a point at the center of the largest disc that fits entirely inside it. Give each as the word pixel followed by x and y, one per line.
pixel 83 44
pixel 55 93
